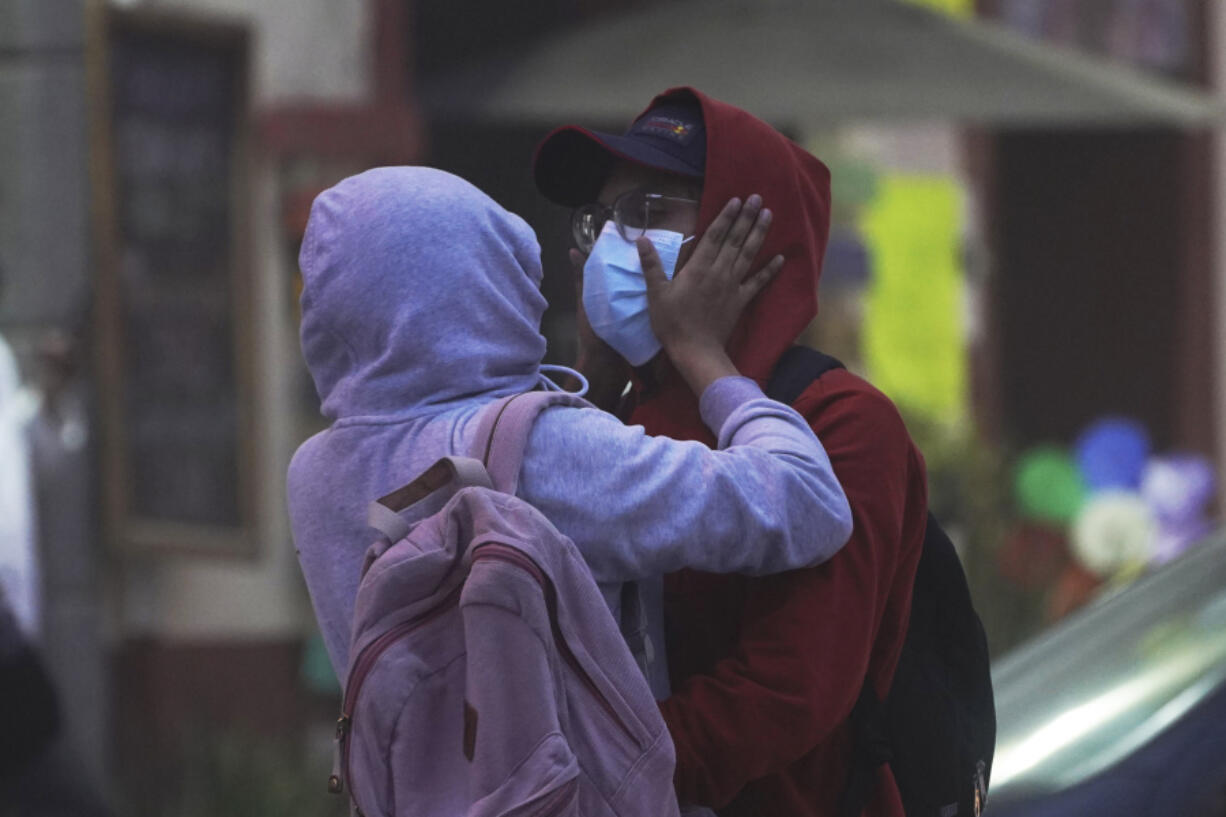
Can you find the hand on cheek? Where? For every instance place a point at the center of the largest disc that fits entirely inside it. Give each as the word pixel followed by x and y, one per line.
pixel 693 315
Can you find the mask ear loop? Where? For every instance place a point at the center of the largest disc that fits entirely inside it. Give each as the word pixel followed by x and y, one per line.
pixel 552 386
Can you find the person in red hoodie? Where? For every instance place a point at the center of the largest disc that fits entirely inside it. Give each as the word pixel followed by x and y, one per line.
pixel 764 671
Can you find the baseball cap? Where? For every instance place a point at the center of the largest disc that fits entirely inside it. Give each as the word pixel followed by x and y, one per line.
pixel 572 163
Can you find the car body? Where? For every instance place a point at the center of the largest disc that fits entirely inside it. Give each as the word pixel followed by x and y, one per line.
pixel 1121 708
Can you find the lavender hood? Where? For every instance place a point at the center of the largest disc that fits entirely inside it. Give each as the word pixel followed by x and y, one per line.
pixel 419 290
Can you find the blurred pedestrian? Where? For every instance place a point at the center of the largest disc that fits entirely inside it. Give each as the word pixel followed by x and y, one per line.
pixel 765 670
pixel 40 774
pixel 19 573
pixel 31 714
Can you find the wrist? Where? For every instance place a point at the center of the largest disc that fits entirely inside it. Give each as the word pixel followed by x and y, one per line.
pixel 701 364
pixel 692 349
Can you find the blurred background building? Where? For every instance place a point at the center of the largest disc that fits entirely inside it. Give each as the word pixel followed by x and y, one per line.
pixel 1028 255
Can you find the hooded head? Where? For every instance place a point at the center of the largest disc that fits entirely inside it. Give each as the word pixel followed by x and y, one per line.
pixel 742 155
pixel 418 290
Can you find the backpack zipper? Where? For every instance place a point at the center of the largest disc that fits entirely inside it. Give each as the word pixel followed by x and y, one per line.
pixel 504 553
pixel 370 653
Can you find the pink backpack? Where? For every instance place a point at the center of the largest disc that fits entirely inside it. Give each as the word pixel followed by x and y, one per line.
pixel 487 677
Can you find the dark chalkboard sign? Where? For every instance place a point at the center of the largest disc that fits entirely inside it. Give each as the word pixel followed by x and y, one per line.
pixel 174 290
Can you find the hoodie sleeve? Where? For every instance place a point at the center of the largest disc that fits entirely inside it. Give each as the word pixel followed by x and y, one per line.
pixel 806 639
pixel 639 506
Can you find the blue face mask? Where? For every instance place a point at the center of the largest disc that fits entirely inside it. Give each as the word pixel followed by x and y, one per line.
pixel 615 291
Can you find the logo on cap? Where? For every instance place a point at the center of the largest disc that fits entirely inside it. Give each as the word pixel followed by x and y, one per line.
pixel 666 127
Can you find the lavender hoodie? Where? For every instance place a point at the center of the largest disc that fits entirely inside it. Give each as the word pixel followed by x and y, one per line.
pixel 421 304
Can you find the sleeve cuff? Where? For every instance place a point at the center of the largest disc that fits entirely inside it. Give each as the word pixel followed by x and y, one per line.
pixel 725 396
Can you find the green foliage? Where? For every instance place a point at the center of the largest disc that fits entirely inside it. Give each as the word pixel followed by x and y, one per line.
pixel 969 492
pixel 967 486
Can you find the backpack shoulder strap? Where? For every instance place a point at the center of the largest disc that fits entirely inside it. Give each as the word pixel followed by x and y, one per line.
pixel 797 368
pixel 500 443
pixel 502 433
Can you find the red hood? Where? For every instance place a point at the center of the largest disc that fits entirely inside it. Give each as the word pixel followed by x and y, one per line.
pixel 745 156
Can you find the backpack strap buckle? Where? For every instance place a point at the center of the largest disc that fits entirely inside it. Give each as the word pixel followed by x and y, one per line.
pixel 450 472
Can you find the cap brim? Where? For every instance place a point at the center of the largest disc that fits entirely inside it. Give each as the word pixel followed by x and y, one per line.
pixel 572 163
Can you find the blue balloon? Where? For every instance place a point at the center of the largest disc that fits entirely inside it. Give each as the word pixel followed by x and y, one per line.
pixel 1112 453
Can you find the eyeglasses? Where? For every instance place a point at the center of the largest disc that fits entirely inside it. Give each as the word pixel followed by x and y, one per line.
pixel 634 212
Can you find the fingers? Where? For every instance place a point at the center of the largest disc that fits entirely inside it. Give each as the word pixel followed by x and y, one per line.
pixel 741 229
pixel 653 270
pixel 712 240
pixel 748 251
pixel 758 281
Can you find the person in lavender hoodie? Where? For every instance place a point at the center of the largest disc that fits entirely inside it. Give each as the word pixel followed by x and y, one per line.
pixel 422 304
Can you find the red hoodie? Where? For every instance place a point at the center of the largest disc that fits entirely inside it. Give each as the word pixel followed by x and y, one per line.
pixel 766 670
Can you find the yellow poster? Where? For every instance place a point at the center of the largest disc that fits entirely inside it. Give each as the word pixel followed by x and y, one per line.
pixel 954 8
pixel 912 337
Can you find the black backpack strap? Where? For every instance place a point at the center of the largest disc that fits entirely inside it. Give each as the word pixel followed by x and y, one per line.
pixel 871 749
pixel 797 368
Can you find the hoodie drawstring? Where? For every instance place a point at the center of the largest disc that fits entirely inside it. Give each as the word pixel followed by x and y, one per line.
pixel 549 385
